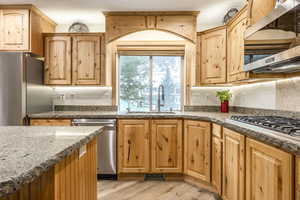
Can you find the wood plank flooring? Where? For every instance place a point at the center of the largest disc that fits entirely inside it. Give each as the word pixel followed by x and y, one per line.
pixel 151 190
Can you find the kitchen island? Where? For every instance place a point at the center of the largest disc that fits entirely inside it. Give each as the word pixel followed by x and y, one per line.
pixel 48 162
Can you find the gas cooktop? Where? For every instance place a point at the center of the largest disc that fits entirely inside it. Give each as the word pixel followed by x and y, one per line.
pixel 284 125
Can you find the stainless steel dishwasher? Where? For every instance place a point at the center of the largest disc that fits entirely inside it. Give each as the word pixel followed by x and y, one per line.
pixel 106 167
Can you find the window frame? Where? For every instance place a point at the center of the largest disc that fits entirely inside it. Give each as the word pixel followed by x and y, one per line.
pixel 151 55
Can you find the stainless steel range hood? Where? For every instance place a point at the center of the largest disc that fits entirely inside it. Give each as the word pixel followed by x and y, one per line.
pixel 273 44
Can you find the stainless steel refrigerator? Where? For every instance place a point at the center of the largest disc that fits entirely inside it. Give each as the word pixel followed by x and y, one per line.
pixel 22 91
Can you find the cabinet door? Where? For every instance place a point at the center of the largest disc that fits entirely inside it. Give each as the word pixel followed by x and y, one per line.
pixel 133 146
pixel 233 165
pixel 235 52
pixel 86 60
pixel 297 178
pixel 258 9
pixel 50 122
pixel 216 162
pixel 14 29
pixel 269 172
pixel 166 149
pixel 213 57
pixel 58 60
pixel 197 138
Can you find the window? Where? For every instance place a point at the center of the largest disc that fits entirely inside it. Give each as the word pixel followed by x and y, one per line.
pixel 140 78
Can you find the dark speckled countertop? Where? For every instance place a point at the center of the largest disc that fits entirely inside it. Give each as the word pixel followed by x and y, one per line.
pixel 27 152
pixel 262 135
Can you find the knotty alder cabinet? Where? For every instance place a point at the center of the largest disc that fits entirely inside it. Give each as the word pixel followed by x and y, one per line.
pixel 50 122
pixel 269 172
pixel 75 177
pixel 213 55
pixel 74 59
pixel 258 9
pixel 197 148
pixel 233 180
pixel 22 27
pixel 216 157
pixel 135 152
pixel 235 47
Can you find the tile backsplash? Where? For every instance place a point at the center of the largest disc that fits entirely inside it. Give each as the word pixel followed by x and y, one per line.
pixel 275 95
pixel 82 96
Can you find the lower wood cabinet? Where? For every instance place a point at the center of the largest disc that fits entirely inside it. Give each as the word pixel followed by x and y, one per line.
pixel 197 143
pixel 233 165
pixel 269 172
pixel 133 146
pixel 166 146
pixel 75 177
pixel 297 196
pixel 216 158
pixel 135 152
pixel 50 122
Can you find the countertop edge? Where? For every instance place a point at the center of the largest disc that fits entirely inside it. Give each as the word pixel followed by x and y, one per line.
pixel 13 185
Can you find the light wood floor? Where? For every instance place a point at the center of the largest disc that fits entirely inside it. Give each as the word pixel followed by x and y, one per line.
pixel 151 190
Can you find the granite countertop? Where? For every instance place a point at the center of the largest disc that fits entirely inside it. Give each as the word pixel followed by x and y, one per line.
pixel 27 152
pixel 223 119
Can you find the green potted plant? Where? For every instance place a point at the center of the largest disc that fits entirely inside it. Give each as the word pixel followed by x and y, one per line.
pixel 224 97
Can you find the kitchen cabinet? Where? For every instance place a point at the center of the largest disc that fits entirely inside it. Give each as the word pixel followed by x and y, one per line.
pixel 75 177
pixel 235 47
pixel 133 146
pixel 14 29
pixel 166 146
pixel 50 122
pixel 86 60
pixel 22 27
pixel 74 59
pixel 297 196
pixel 213 55
pixel 216 162
pixel 233 165
pixel 135 153
pixel 258 9
pixel 197 152
pixel 58 60
pixel 269 172
pixel 181 23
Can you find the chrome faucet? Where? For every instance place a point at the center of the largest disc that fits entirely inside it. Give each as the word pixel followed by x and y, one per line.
pixel 160 96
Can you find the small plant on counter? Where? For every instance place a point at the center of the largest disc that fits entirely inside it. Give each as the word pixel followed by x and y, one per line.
pixel 224 97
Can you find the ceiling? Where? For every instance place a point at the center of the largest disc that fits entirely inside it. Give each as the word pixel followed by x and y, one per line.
pixel 89 11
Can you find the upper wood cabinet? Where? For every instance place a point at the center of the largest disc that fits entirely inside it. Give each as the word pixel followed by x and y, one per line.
pixel 86 60
pixel 166 146
pixel 213 56
pixel 235 47
pixel 181 23
pixel 216 157
pixel 133 146
pixel 269 172
pixel 197 140
pixel 14 29
pixel 74 59
pixel 233 165
pixel 21 28
pixel 58 60
pixel 258 9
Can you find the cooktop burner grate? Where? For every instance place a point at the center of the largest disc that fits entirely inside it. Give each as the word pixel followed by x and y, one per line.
pixel 284 125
